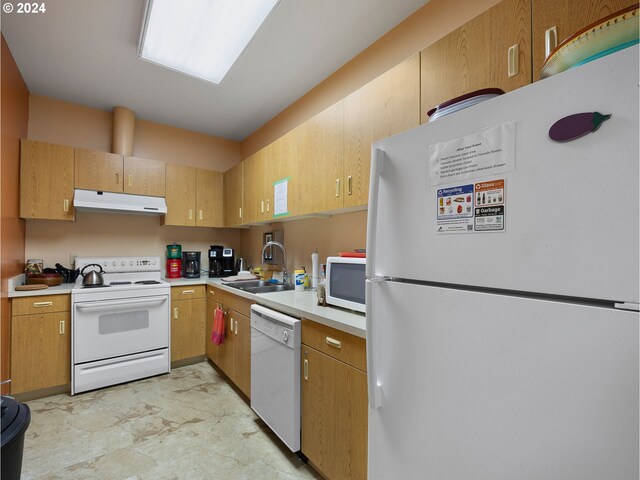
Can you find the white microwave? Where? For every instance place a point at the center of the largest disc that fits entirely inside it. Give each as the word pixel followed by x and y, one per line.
pixel 345 282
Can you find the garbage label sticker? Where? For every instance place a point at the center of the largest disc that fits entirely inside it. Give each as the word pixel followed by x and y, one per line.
pixel 489 209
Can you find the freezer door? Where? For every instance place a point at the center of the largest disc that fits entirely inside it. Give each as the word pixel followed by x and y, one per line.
pixel 483 386
pixel 570 209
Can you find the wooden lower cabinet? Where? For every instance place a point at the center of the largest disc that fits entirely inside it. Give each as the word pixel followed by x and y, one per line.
pixel 334 414
pixel 242 351
pixel 211 348
pixel 187 322
pixel 233 356
pixel 40 343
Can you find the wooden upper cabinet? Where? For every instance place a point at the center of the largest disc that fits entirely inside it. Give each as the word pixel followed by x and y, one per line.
pixel 180 195
pixel 385 106
pixel 100 171
pixel 209 198
pixel 282 164
pixel 233 196
pixel 46 181
pixel 568 17
pixel 254 189
pixel 476 55
pixel 144 176
pixel 320 161
pixel 194 197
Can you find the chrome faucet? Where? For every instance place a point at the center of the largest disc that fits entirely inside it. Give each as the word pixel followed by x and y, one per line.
pixel 285 272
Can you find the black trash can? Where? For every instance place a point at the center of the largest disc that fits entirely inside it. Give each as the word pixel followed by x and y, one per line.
pixel 15 420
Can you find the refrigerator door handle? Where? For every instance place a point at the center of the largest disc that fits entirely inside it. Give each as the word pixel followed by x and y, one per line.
pixel 373 386
pixel 634 307
pixel 377 167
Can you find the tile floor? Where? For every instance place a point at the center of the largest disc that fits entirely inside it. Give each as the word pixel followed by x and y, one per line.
pixel 189 424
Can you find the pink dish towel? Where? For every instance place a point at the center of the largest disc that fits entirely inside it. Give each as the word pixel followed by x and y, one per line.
pixel 217 334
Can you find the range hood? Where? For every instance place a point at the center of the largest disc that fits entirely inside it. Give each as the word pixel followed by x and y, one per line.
pixel 93 201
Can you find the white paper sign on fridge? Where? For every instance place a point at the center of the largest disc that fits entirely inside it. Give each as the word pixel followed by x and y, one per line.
pixel 488 152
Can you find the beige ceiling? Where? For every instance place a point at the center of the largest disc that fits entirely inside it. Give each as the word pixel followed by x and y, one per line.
pixel 85 51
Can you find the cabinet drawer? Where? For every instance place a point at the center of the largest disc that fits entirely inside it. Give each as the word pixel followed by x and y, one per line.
pixel 217 295
pixel 335 343
pixel 40 304
pixel 239 304
pixel 187 292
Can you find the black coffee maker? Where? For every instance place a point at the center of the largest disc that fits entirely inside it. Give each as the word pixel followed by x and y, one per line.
pixel 191 264
pixel 228 266
pixel 215 261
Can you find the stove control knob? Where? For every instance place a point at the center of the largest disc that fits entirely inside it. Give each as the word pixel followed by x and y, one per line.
pixel 114 263
pixel 131 263
pixel 285 336
pixel 105 264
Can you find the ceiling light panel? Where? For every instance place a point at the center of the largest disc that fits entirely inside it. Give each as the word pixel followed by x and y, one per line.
pixel 202 38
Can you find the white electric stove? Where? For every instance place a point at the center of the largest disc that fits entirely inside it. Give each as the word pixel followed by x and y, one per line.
pixel 120 330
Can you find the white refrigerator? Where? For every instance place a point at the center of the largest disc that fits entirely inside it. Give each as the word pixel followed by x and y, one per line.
pixel 502 288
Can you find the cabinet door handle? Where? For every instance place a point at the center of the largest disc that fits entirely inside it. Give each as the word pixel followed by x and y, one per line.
pixel 42 304
pixel 188 292
pixel 332 342
pixel 337 187
pixel 131 180
pixel 236 327
pixel 550 40
pixel 268 204
pixel 262 206
pixel 190 214
pixel 350 185
pixel 200 215
pixel 231 324
pixel 211 292
pixel 306 369
pixel 513 60
pixel 240 213
pixel 65 205
pixel 61 327
pixel 175 313
pixel 117 179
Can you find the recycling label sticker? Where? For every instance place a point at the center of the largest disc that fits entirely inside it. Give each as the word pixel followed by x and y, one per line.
pixel 471 208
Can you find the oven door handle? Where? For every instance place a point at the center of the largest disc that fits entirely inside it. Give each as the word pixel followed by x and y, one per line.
pixel 123 303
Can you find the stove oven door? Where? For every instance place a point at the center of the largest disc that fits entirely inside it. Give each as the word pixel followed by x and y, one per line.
pixel 118 340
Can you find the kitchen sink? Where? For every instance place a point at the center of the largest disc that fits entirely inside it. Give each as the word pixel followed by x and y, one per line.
pixel 260 286
pixel 243 285
pixel 269 288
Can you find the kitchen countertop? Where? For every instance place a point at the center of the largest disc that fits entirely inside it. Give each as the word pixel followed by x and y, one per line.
pixel 62 289
pixel 297 304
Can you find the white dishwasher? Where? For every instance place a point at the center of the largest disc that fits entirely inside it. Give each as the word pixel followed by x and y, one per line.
pixel 275 372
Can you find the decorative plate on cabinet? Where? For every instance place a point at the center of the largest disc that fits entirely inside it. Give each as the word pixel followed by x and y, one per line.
pixel 615 32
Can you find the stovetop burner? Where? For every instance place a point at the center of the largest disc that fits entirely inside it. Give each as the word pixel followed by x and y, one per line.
pixel 137 274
